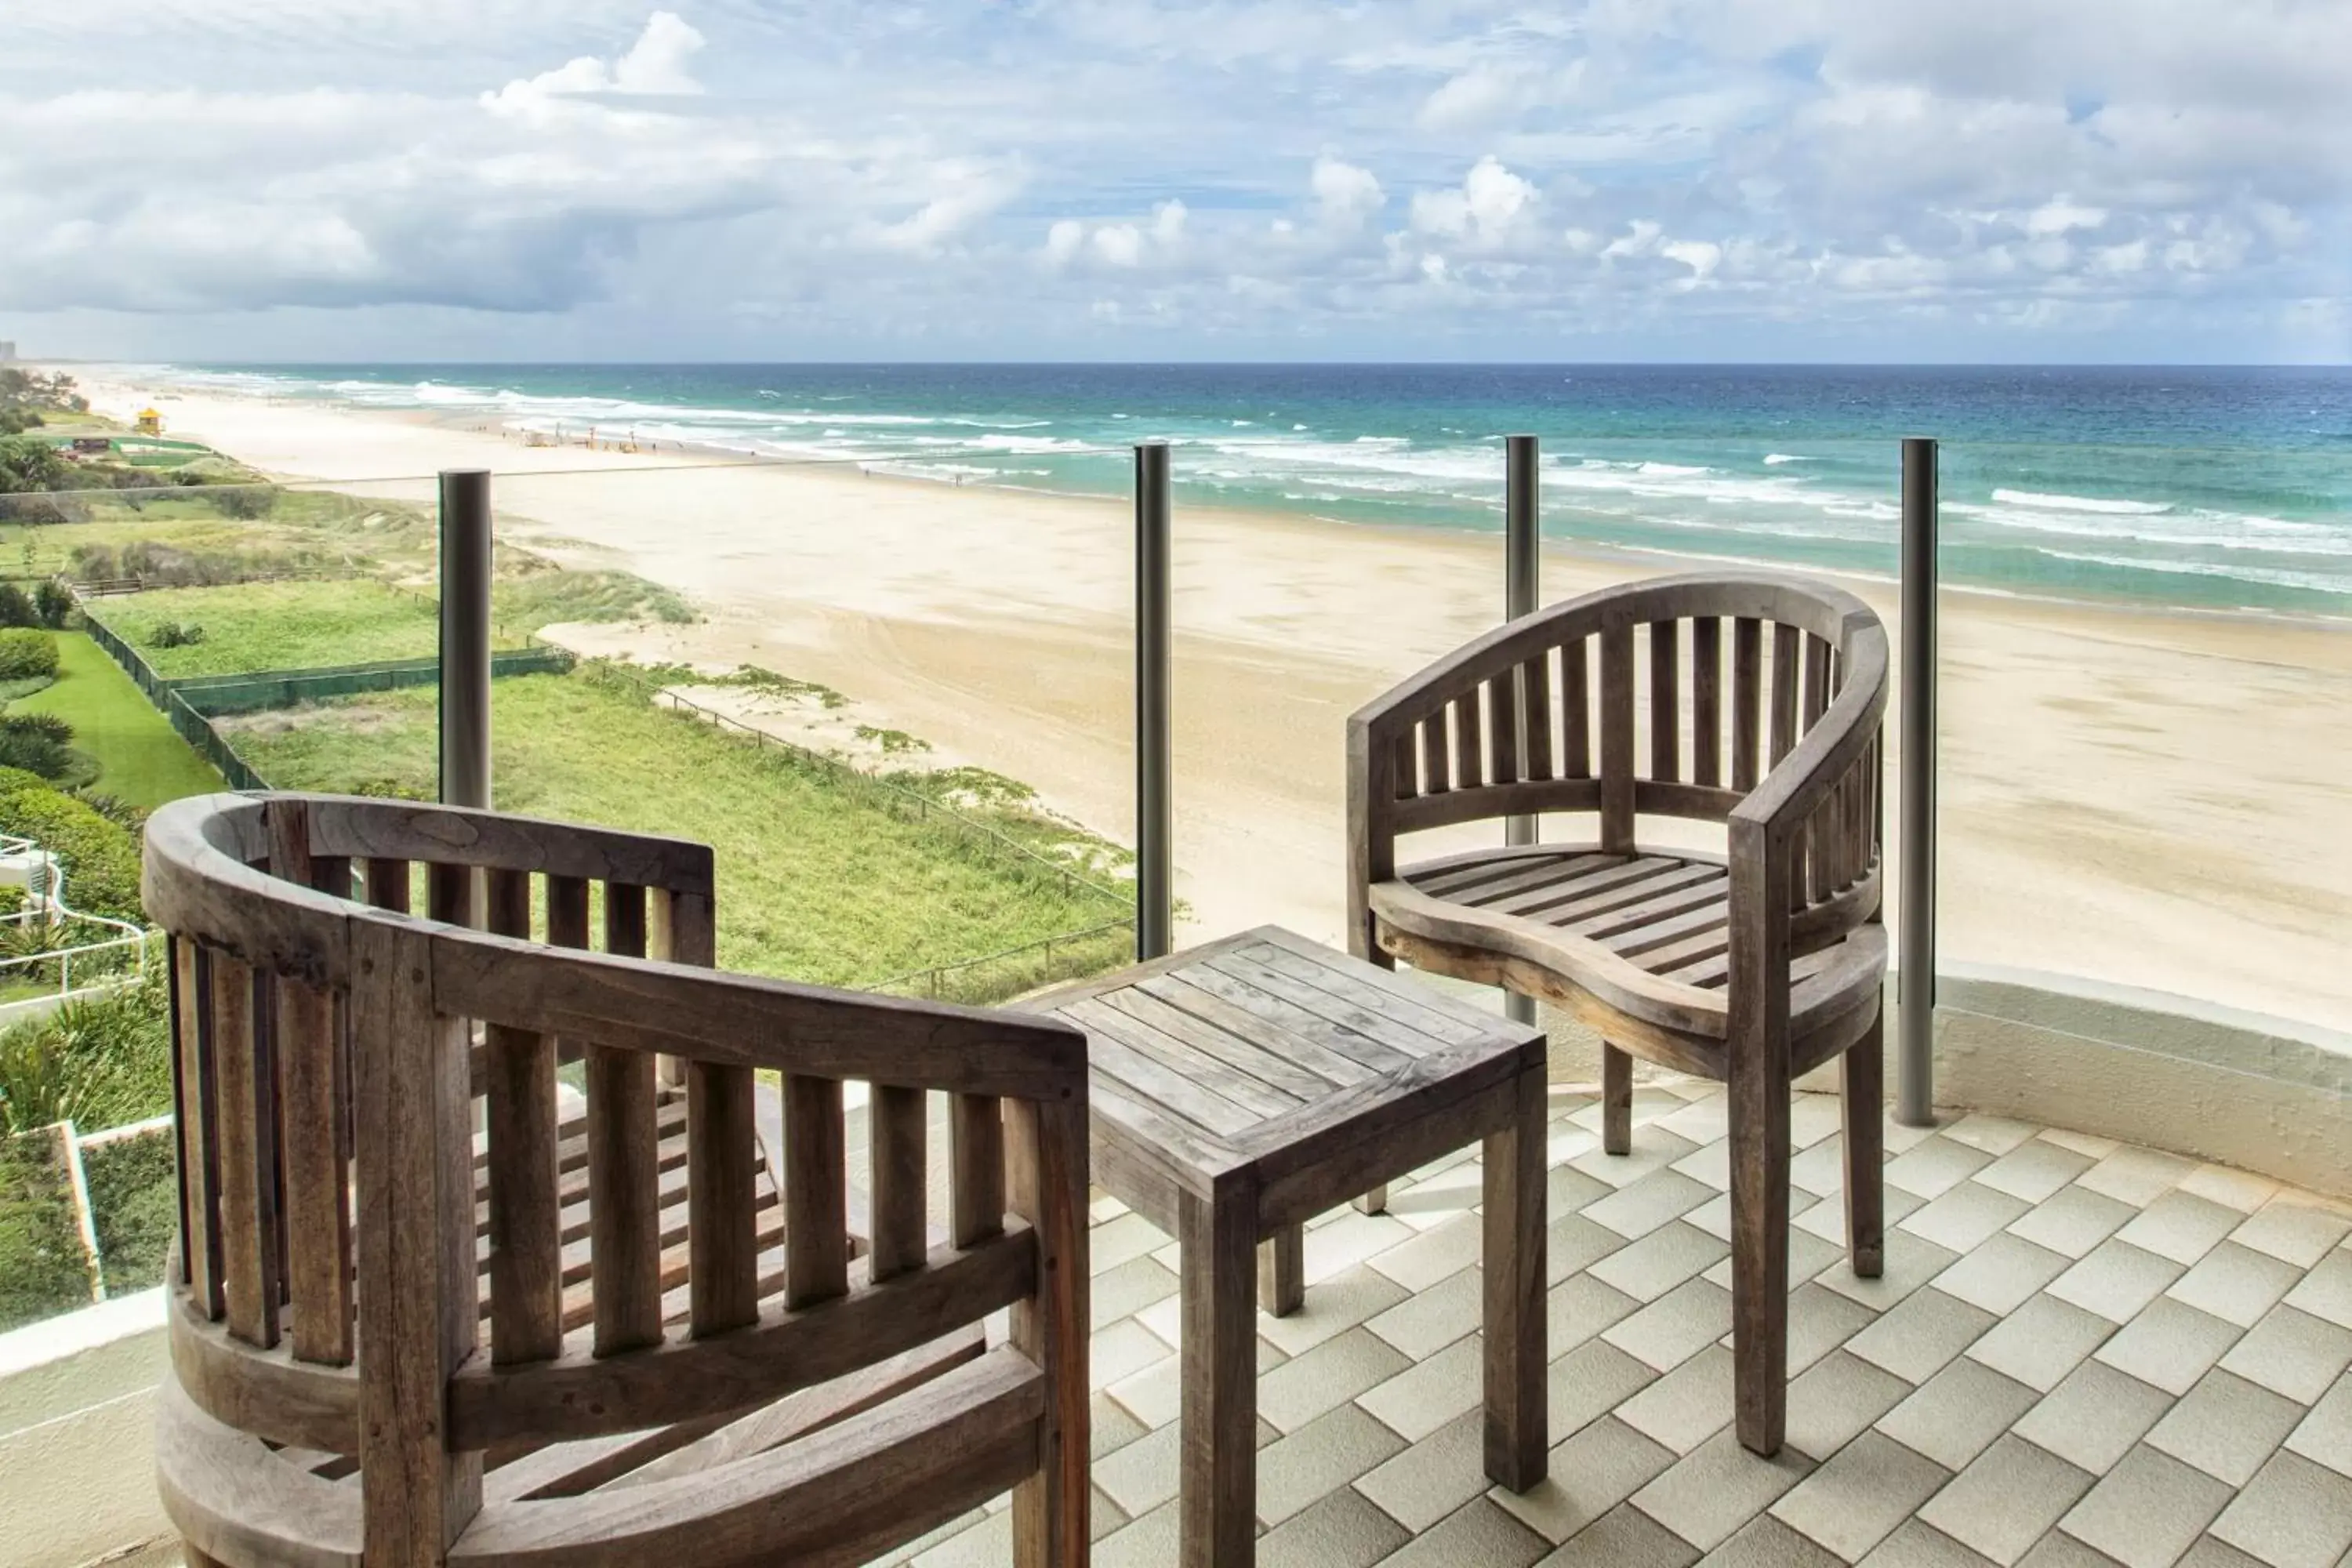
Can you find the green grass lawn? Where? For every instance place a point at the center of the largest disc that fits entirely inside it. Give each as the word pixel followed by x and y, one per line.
pixel 818 880
pixel 140 758
pixel 251 626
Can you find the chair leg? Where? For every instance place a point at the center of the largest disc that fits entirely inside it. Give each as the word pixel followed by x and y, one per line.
pixel 1616 1100
pixel 1760 1246
pixel 1281 1271
pixel 1863 1104
pixel 1217 1517
pixel 1374 1202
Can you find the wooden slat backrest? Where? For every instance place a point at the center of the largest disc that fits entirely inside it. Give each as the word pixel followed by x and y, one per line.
pixel 1631 681
pixel 293 1003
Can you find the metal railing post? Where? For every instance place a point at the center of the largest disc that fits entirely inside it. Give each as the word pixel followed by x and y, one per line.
pixel 1916 976
pixel 465 636
pixel 1154 820
pixel 1522 568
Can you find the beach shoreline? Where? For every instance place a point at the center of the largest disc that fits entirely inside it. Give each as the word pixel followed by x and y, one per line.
pixel 2137 795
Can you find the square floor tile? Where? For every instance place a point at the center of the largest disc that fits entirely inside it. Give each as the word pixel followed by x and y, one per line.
pixel 1476 1532
pixel 2092 1419
pixel 1958 1413
pixel 2236 1283
pixel 1915 1336
pixel 2042 1342
pixel 1917 1545
pixel 1329 1451
pixel 2115 1279
pixel 1963 1216
pixel 2059 1550
pixel 1820 1321
pixel 1826 1218
pixel 1856 1498
pixel 2149 1509
pixel 1341 1529
pixel 2034 1170
pixel 1329 1374
pixel 2181 1226
pixel 1687 1406
pixel 2226 1427
pixel 1647 1268
pixel 1819 1170
pixel 1910 1262
pixel 1143 1475
pixel 1677 1326
pixel 1586 1383
pixel 1934 1164
pixel 1765 1542
pixel 2211 1553
pixel 2137 1176
pixel 2169 1345
pixel 1585 1477
pixel 1424 1258
pixel 2325 1434
pixel 1809 1256
pixel 1574 1243
pixel 1837 1398
pixel 1580 1306
pixel 1330 1309
pixel 2074 1220
pixel 1709 1163
pixel 2240 1190
pixel 1996 1135
pixel 1431 1392
pixel 1640 1207
pixel 1624 1537
pixel 1431 1319
pixel 1437 1474
pixel 2294 1514
pixel 1568 1190
pixel 2002 1502
pixel 1710 1492
pixel 2327 1291
pixel 2293 1353
pixel 2293 1232
pixel 1653 1150
pixel 2002 1274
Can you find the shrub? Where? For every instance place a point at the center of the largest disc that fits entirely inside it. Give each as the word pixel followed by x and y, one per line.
pixel 173 634
pixel 99 1062
pixel 39 743
pixel 43 1271
pixel 101 859
pixel 134 1204
pixel 244 501
pixel 54 603
pixel 25 651
pixel 17 607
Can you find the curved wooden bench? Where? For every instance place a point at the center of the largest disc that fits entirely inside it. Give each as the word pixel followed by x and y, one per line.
pixel 1752 964
pixel 421 1316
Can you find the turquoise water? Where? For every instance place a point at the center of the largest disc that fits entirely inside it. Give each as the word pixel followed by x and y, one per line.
pixel 2214 487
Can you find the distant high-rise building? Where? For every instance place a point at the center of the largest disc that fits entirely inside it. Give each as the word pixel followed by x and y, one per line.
pixel 7 352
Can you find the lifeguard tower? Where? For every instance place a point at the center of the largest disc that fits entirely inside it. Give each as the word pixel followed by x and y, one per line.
pixel 150 423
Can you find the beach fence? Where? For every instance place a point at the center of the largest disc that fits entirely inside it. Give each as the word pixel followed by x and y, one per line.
pixel 93 1216
pixel 191 726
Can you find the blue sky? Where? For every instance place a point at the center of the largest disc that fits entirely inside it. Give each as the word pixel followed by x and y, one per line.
pixel 2146 180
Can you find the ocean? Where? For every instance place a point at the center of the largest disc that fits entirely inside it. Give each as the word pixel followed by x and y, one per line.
pixel 2206 488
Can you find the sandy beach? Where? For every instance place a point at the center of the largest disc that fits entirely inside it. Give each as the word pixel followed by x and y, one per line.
pixel 2142 798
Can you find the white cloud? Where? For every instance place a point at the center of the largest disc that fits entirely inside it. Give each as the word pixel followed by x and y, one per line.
pixel 1119 244
pixel 1488 205
pixel 2059 215
pixel 655 64
pixel 1168 222
pixel 1491 93
pixel 1345 195
pixel 1062 240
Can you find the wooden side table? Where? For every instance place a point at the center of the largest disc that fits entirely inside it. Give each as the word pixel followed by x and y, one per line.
pixel 1241 1088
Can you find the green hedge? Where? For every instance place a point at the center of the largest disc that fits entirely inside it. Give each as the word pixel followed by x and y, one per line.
pixel 42 1270
pixel 27 654
pixel 101 857
pixel 134 1202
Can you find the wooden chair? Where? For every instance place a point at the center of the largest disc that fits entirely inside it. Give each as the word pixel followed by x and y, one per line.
pixel 1752 965
pixel 419 1318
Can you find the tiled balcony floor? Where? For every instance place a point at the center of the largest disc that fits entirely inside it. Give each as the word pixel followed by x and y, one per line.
pixel 2080 1354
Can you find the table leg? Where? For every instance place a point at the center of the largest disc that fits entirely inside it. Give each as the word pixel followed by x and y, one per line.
pixel 1281 1271
pixel 1217 1523
pixel 1374 1202
pixel 1516 1398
